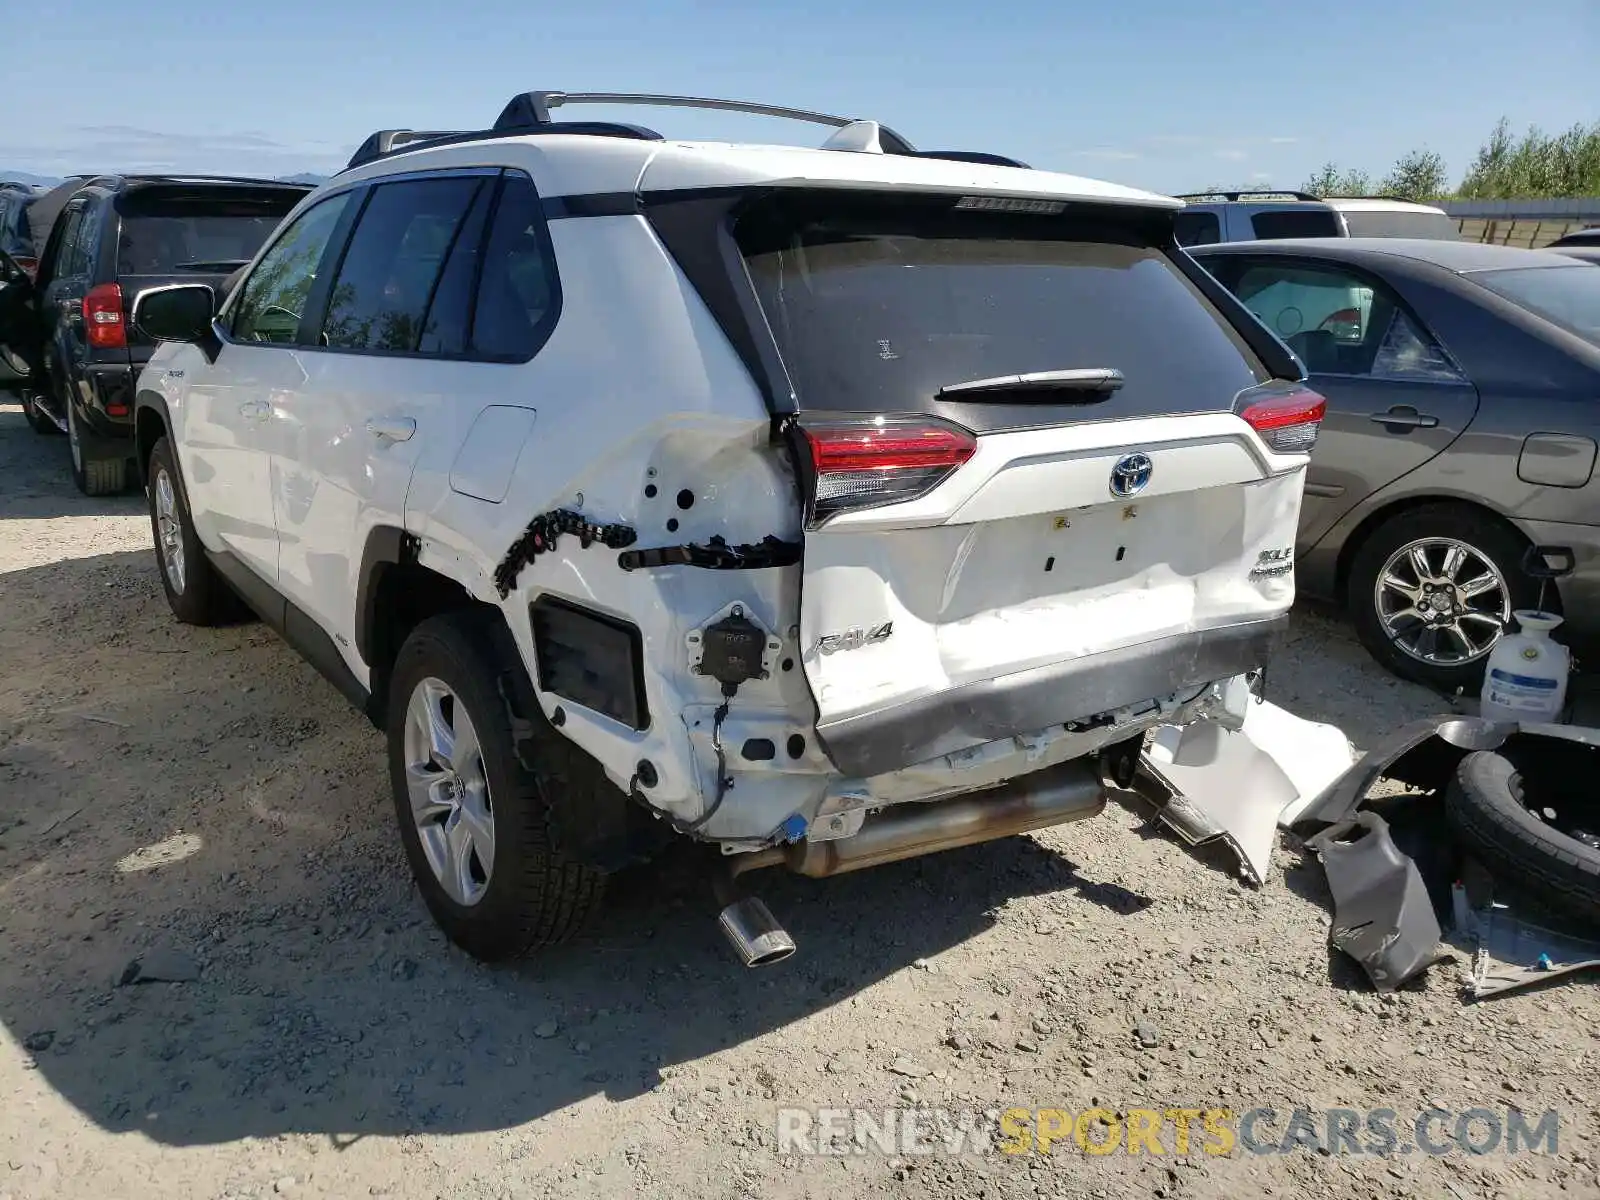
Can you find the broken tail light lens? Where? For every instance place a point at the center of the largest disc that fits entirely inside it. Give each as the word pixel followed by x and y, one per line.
pixel 102 318
pixel 1287 418
pixel 868 461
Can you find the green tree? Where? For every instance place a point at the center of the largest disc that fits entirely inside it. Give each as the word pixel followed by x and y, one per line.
pixel 1535 164
pixel 1417 175
pixel 1330 180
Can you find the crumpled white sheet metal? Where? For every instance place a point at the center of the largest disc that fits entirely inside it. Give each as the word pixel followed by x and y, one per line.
pixel 1240 785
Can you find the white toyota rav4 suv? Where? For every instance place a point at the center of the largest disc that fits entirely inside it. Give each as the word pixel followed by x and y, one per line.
pixel 825 506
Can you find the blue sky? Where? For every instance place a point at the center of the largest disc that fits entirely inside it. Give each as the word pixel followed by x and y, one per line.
pixel 1157 93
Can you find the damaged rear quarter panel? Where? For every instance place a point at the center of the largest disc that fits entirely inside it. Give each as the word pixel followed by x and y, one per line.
pixel 645 418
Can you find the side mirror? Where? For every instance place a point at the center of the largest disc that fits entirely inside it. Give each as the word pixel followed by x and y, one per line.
pixel 181 312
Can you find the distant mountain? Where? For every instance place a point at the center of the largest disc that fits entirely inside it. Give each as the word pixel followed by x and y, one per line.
pixel 7 175
pixel 51 180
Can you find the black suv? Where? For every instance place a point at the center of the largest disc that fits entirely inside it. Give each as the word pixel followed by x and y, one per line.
pixel 116 236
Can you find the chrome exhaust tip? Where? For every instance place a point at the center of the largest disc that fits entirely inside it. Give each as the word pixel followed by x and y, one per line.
pixel 754 932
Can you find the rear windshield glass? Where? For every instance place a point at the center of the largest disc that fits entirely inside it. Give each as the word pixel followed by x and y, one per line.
pixel 876 306
pixel 1565 296
pixel 1401 223
pixel 162 236
pixel 1295 223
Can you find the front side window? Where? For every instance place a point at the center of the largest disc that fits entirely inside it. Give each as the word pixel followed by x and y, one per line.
pixel 273 296
pixel 386 281
pixel 1341 323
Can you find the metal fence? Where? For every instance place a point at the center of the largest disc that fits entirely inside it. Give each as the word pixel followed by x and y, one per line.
pixel 1527 223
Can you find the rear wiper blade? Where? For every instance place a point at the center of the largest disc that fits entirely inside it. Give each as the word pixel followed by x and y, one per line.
pixel 1102 380
pixel 212 264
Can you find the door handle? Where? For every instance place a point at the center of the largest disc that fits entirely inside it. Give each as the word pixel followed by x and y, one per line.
pixel 391 429
pixel 1405 417
pixel 255 410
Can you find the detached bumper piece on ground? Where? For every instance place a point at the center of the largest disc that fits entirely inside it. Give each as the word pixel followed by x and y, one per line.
pixel 1496 843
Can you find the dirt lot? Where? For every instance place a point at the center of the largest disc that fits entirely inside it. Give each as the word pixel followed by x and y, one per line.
pixel 204 796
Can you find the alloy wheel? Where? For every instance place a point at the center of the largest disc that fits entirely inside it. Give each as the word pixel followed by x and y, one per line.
pixel 169 526
pixel 1442 601
pixel 449 791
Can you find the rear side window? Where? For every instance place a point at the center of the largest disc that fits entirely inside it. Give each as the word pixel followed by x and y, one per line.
pixel 518 298
pixel 71 223
pixel 1400 223
pixel 166 231
pixel 386 279
pixel 879 303
pixel 1295 223
pixel 1197 228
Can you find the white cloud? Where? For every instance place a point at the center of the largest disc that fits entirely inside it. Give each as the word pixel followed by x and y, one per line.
pixel 1233 154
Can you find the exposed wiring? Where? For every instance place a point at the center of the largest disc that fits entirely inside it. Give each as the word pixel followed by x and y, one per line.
pixel 722 761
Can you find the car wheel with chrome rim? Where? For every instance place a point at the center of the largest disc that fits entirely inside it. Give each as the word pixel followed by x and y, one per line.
pixel 1432 590
pixel 195 592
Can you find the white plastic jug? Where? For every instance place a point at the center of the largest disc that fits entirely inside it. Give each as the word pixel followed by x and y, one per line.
pixel 1527 675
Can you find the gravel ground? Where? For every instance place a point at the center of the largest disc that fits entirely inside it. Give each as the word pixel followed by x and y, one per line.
pixel 200 801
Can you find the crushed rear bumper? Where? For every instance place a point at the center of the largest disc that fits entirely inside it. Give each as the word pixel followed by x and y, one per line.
pixel 866 744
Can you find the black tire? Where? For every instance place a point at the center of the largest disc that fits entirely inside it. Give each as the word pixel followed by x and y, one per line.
pixel 38 420
pixel 534 895
pixel 1488 536
pixel 95 476
pixel 201 596
pixel 1484 804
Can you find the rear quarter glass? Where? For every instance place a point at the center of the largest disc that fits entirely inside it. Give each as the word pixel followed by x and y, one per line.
pixel 876 305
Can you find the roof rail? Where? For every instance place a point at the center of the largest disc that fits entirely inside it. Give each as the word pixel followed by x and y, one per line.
pixel 1247 193
pixel 533 108
pixel 529 113
pixel 1379 196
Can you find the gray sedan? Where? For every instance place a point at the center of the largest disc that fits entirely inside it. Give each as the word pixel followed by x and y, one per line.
pixel 1463 389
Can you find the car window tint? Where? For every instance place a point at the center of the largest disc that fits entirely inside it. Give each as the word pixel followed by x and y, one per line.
pixel 384 284
pixel 78 250
pixel 450 312
pixel 1295 223
pixel 72 220
pixel 1341 323
pixel 517 298
pixel 273 296
pixel 1566 296
pixel 1197 228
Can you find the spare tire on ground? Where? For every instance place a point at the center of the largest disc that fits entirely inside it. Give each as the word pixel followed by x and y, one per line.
pixel 1533 821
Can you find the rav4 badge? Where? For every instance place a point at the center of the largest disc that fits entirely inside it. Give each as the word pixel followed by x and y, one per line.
pixel 854 639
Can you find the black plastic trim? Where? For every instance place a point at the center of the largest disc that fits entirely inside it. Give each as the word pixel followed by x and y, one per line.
pixel 386 547
pixel 594 204
pixel 292 624
pixel 1026 701
pixel 614 689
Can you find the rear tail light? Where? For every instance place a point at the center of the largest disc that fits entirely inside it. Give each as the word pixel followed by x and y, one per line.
pixel 868 461
pixel 30 266
pixel 1287 418
pixel 102 318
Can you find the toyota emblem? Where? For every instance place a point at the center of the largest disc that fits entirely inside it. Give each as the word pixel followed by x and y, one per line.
pixel 1131 475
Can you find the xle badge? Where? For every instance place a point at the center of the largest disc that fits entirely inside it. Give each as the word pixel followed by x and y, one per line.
pixel 854 639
